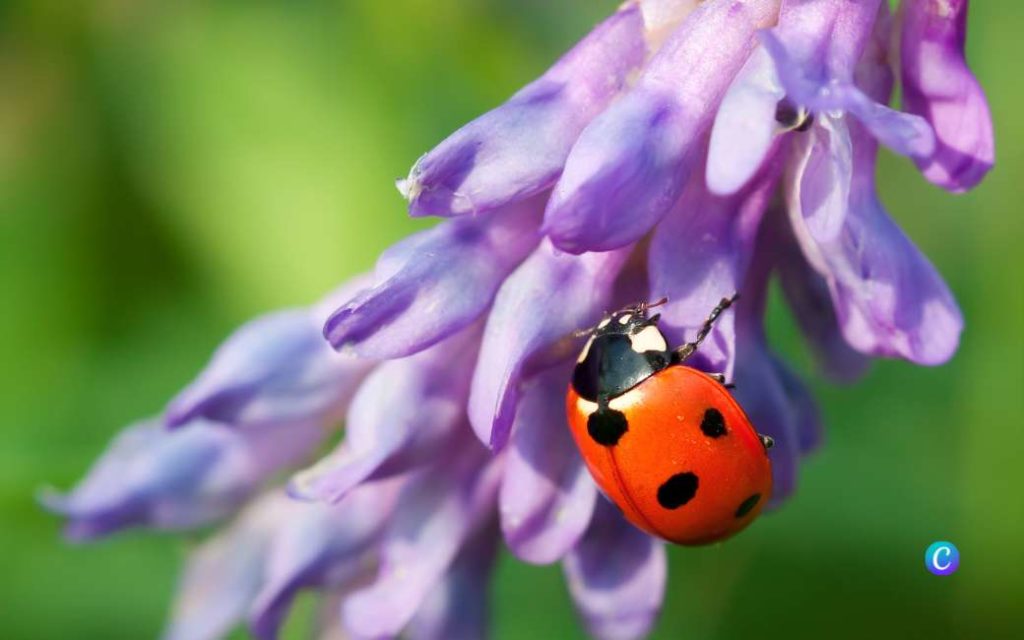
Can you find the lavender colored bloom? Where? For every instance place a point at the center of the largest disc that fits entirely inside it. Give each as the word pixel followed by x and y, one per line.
pixel 629 165
pixel 435 516
pixel 547 496
pixel 457 608
pixel 255 567
pixel 888 297
pixel 152 477
pixel 685 150
pixel 579 288
pixel 403 416
pixel 275 370
pixel 701 249
pixel 774 398
pixel 519 148
pixel 436 282
pixel 616 577
pixel 807 64
pixel 808 294
pixel 939 86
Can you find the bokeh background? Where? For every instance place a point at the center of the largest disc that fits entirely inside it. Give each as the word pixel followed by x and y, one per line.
pixel 170 169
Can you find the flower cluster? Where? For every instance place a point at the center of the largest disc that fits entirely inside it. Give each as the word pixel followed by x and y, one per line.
pixel 683 149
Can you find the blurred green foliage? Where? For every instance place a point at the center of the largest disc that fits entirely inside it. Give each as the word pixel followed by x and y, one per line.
pixel 169 169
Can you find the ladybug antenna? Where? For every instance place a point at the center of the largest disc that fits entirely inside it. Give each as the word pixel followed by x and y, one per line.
pixel 644 306
pixel 582 333
pixel 579 333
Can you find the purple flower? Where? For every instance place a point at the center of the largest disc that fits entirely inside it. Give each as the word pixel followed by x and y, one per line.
pixel 519 148
pixel 275 370
pixel 684 150
pixel 939 87
pixel 436 282
pixel 254 568
pixel 806 68
pixel 547 496
pixel 616 577
pixel 544 301
pixel 406 413
pixel 152 477
pixel 629 165
pixel 888 297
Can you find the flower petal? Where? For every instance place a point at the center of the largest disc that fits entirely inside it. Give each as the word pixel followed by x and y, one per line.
pixel 761 393
pixel 224 574
pixel 321 547
pixel 939 86
pixel 457 608
pixel 816 62
pixel 889 298
pixel 699 255
pixel 764 398
pixel 616 576
pixel 816 46
pixel 180 479
pixel 403 416
pixel 826 175
pixel 448 277
pixel 630 164
pixel 745 126
pixel 547 496
pixel 904 133
pixel 803 409
pixel 807 293
pixel 774 398
pixel 519 148
pixel 435 514
pixel 542 303
pixel 661 17
pixel 275 370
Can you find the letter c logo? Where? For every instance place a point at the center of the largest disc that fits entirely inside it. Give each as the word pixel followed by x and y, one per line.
pixel 942 558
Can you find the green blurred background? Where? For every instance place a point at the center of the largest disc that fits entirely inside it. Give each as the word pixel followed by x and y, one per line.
pixel 169 169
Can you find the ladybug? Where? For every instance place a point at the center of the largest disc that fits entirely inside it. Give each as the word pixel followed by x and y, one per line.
pixel 666 442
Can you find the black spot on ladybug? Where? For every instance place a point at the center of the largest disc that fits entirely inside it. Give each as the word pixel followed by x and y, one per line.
pixel 747 505
pixel 713 424
pixel 677 490
pixel 606 426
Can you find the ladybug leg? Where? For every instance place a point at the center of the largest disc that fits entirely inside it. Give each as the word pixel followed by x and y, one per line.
pixel 720 378
pixel 687 350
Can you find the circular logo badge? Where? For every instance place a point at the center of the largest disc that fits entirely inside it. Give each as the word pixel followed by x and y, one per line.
pixel 942 558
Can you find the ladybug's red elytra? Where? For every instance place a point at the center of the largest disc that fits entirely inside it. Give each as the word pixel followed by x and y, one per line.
pixel 666 442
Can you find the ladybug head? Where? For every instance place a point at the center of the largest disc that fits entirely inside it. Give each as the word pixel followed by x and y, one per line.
pixel 629 321
pixel 623 350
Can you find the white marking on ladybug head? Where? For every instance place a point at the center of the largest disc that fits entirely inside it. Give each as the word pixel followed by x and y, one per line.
pixel 648 339
pixel 625 401
pixel 603 323
pixel 586 350
pixel 625 318
pixel 586 407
